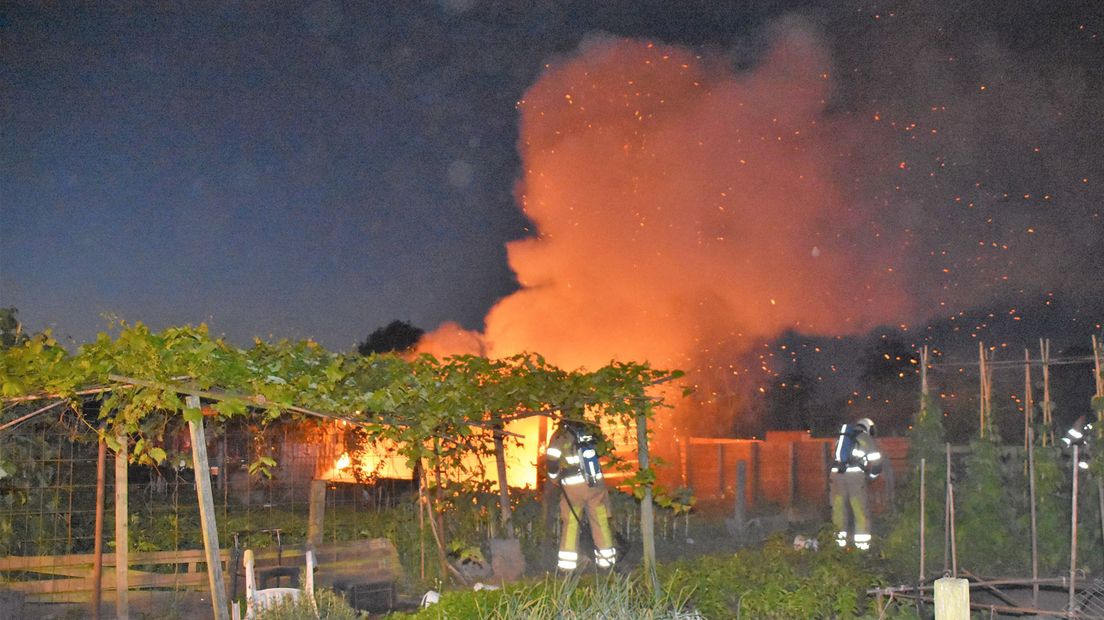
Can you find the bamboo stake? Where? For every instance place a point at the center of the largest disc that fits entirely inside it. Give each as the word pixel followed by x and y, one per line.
pixel 947 517
pixel 923 516
pixel 1048 432
pixel 951 516
pixel 30 415
pixel 924 353
pixel 1099 393
pixel 1096 364
pixel 981 396
pixel 1073 528
pixel 97 548
pixel 1034 524
pixel 1028 404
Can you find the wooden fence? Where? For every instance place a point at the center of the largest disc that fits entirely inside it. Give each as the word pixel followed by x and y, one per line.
pixel 786 470
pixel 68 578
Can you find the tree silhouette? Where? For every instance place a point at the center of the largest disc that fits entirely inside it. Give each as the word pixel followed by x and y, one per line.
pixel 397 336
pixel 11 331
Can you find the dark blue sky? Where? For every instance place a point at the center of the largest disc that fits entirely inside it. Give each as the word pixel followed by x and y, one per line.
pixel 319 169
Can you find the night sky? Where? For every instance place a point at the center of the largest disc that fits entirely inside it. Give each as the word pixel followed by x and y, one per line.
pixel 317 170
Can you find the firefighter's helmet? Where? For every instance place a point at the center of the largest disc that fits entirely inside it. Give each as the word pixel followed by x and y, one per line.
pixel 866 424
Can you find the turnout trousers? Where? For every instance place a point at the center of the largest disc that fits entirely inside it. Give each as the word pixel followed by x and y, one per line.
pixel 849 500
pixel 590 503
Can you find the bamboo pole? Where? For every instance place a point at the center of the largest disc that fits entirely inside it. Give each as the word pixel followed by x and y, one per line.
pixel 981 395
pixel 1028 401
pixel 1099 392
pixel 219 603
pixel 122 535
pixel 947 517
pixel 1073 529
pixel 923 516
pixel 951 516
pixel 97 548
pixel 1048 425
pixel 924 353
pixel 1096 364
pixel 1034 523
pixel 24 418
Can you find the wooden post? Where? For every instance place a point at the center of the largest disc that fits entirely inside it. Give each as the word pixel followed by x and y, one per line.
pixel 219 603
pixel 97 548
pixel 316 518
pixel 952 599
pixel 503 486
pixel 437 518
pixel 647 518
pixel 122 535
pixel 542 443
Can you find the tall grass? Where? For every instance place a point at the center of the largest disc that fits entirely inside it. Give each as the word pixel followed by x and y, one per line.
pixel 611 597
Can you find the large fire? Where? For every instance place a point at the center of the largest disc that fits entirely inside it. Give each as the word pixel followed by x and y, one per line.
pixel 685 212
pixel 383 460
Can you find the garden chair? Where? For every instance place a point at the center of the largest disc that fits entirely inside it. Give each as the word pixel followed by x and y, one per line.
pixel 257 600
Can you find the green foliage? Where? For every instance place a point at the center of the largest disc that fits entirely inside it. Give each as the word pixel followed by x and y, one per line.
pixel 774 581
pixel 435 412
pixel 925 446
pixel 986 496
pixel 1052 509
pixel 611 596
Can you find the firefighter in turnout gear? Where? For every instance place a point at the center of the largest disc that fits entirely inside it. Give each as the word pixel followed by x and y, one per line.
pixel 1081 434
pixel 855 460
pixel 572 462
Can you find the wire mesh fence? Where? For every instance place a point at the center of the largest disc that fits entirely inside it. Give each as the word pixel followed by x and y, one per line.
pixel 48 500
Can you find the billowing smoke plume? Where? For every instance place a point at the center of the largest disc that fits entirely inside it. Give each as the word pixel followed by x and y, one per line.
pixel 684 211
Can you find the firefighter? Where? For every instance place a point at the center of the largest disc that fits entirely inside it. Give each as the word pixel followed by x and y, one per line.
pixel 572 462
pixel 856 459
pixel 1080 435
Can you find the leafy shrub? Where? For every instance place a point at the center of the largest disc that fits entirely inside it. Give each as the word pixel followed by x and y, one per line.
pixel 774 581
pixel 612 596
